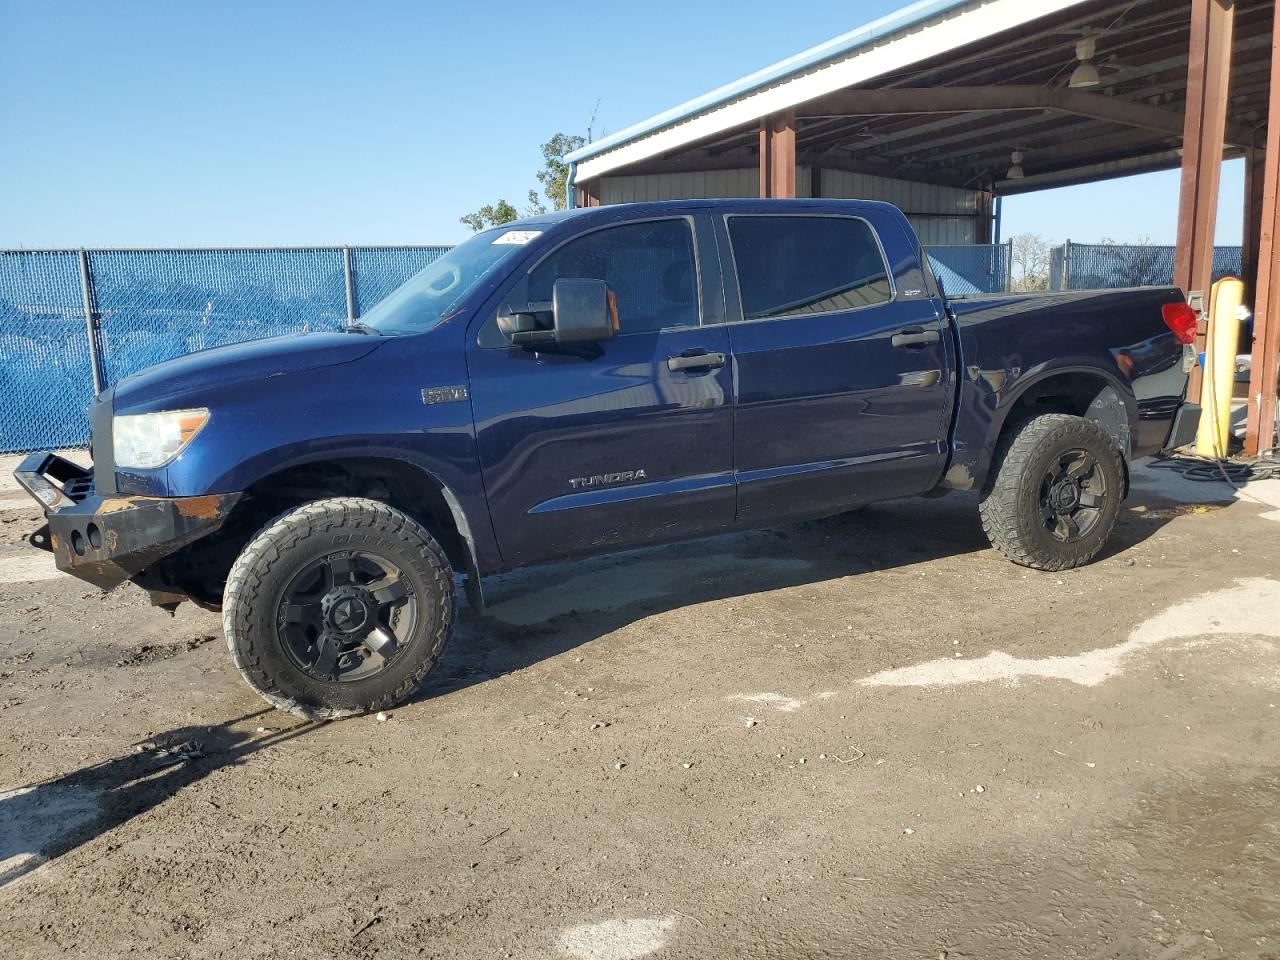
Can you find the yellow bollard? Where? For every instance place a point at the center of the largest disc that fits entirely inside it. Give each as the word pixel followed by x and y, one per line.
pixel 1219 368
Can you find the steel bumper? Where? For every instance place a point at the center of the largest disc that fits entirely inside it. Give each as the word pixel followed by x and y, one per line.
pixel 106 541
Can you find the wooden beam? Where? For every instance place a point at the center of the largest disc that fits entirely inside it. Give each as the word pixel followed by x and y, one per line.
pixel 784 155
pixel 908 101
pixel 983 218
pixel 1255 163
pixel 766 157
pixel 1208 82
pixel 1261 424
pixel 778 155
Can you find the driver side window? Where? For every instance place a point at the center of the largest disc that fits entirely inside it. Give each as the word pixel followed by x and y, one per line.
pixel 650 269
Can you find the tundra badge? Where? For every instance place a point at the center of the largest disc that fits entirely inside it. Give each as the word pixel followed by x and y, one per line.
pixel 606 479
pixel 432 395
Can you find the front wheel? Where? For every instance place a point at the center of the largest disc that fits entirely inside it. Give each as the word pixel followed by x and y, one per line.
pixel 339 607
pixel 1055 492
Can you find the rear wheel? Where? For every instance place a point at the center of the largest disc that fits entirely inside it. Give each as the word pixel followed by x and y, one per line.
pixel 1055 492
pixel 339 607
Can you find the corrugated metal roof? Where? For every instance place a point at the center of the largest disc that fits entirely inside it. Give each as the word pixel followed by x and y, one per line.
pixel 915 33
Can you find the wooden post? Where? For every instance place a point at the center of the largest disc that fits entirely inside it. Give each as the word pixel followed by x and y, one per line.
pixel 1261 424
pixel 1203 144
pixel 1254 178
pixel 983 217
pixel 766 157
pixel 778 155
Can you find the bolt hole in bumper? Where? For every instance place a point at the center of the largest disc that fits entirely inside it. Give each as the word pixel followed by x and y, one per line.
pixel 108 540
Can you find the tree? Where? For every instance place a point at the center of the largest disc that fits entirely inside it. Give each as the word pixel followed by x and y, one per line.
pixel 1030 263
pixel 553 177
pixel 491 215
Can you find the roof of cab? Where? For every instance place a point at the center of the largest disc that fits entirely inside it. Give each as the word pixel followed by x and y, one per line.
pixel 625 211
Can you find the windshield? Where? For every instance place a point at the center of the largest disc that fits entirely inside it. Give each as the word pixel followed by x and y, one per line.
pixel 434 292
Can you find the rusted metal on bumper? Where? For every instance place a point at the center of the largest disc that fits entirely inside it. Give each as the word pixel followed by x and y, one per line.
pixel 106 541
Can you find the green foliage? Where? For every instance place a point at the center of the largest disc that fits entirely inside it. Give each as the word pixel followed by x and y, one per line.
pixel 552 177
pixel 491 215
pixel 555 172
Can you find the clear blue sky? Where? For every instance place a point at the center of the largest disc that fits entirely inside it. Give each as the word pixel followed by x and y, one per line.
pixel 204 122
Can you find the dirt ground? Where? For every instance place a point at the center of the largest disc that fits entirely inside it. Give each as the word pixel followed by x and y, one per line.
pixel 868 736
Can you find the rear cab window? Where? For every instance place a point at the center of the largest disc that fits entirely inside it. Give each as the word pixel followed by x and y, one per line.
pixel 791 266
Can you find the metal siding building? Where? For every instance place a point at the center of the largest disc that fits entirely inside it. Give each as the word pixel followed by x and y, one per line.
pixel 939 214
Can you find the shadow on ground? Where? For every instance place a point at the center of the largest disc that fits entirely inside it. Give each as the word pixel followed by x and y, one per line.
pixel 42 821
pixel 539 613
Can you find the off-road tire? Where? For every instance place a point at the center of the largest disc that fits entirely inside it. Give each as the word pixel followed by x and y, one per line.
pixel 1010 505
pixel 259 576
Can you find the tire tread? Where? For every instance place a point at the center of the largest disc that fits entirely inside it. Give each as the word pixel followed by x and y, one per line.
pixel 286 531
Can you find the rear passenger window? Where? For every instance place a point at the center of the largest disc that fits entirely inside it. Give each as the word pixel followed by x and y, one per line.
pixel 791 266
pixel 648 266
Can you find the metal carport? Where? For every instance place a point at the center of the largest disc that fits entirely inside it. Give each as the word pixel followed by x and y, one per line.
pixel 935 101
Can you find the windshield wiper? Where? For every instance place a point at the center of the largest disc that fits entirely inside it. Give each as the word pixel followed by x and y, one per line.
pixel 363 328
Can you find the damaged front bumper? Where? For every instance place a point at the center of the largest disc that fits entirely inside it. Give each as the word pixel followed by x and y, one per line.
pixel 108 540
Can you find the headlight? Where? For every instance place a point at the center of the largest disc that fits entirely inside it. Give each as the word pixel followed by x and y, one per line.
pixel 153 439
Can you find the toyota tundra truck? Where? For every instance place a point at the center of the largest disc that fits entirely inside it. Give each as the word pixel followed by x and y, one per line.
pixel 591 381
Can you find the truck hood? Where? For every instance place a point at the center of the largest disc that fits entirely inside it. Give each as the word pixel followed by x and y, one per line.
pixel 254 360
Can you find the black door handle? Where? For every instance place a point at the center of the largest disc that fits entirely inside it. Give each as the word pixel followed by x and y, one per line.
pixel 696 361
pixel 915 337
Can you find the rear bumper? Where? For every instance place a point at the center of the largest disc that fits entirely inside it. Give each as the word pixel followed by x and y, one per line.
pixel 106 541
pixel 1185 424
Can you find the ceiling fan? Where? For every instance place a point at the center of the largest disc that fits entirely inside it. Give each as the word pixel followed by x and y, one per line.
pixel 1088 69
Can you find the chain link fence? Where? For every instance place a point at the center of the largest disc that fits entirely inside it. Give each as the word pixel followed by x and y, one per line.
pixel 1105 266
pixel 152 305
pixel 972 269
pixel 46 370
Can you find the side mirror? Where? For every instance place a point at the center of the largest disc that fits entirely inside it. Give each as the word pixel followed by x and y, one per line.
pixel 510 325
pixel 580 310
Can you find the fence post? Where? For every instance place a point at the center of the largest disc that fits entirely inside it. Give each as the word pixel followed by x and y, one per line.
pixel 1008 268
pixel 90 321
pixel 349 282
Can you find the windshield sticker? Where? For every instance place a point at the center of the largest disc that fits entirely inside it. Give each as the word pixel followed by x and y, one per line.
pixel 518 237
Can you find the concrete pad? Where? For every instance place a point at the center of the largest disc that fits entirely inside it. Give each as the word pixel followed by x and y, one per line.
pixel 10 461
pixel 34 819
pixel 28 567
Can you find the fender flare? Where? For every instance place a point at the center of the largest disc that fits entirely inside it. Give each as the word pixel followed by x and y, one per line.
pixel 1007 399
pixel 287 460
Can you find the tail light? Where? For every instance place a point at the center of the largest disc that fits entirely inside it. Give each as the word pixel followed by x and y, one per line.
pixel 1183 319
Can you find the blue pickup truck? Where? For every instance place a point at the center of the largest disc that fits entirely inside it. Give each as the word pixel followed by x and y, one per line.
pixel 592 381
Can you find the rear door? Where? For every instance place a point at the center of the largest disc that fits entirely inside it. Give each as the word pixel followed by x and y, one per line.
pixel 843 381
pixel 591 447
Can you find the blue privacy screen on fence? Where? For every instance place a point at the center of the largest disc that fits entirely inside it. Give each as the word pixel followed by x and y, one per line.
pixel 162 304
pixel 379 270
pixel 1093 266
pixel 150 305
pixel 46 380
pixel 969 270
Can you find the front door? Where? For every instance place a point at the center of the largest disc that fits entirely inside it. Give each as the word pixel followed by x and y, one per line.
pixel 843 382
pixel 588 448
